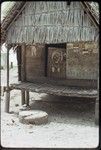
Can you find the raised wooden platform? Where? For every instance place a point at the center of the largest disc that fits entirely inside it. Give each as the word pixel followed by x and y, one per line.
pixel 55 90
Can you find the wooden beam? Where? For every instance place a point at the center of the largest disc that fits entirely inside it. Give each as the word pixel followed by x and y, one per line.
pixel 92 12
pixel 90 15
pixel 23 61
pixel 7 100
pixel 16 16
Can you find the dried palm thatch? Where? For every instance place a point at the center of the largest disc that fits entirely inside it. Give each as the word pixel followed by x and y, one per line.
pixel 9 13
pixel 17 7
pixel 93 9
pixel 5 8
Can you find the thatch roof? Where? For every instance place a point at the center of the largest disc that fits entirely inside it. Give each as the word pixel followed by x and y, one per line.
pixel 16 7
pixel 94 13
pixel 5 7
pixel 9 16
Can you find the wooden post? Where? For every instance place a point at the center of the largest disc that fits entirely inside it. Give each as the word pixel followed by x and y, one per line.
pixel 97 106
pixel 7 100
pixel 23 61
pixel 27 98
pixel 23 72
pixel 22 97
pixel 97 111
pixel 11 64
pixel 19 62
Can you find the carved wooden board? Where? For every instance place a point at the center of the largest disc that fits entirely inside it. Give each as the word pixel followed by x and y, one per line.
pixel 56 63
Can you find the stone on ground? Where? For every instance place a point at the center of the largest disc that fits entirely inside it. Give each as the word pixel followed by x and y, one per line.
pixel 36 117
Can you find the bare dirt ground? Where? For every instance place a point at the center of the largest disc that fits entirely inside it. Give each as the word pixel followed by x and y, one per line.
pixel 70 123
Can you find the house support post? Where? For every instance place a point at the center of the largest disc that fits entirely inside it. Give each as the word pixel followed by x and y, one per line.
pixel 97 107
pixel 97 111
pixel 27 98
pixel 22 97
pixel 7 100
pixel 23 48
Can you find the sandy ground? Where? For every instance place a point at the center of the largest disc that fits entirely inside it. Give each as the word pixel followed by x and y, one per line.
pixel 70 125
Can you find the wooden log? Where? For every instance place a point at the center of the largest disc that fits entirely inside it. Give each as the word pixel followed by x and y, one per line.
pixel 97 111
pixel 23 49
pixel 27 98
pixel 19 62
pixel 97 107
pixel 7 100
pixel 22 97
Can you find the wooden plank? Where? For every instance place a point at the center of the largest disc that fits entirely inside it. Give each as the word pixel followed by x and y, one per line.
pixel 25 86
pixel 84 93
pixel 43 88
pixel 57 90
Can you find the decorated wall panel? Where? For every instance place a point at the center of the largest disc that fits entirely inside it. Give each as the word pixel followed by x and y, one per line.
pixel 82 60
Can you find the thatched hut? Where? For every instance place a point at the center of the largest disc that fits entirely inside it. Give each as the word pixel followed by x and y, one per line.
pixel 57 47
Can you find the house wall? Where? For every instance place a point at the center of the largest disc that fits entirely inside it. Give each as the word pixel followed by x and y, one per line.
pixel 82 61
pixel 52 22
pixel 34 61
